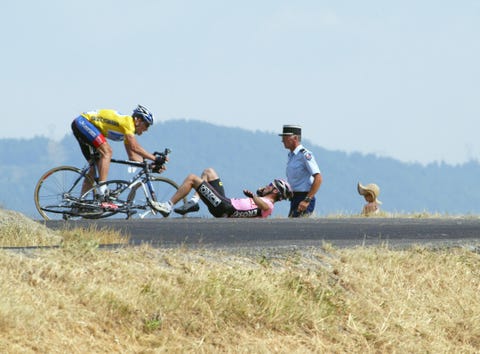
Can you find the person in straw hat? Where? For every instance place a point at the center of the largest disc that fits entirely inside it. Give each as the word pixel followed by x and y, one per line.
pixel 370 192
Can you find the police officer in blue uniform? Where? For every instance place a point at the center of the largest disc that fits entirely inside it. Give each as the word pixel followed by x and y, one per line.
pixel 303 173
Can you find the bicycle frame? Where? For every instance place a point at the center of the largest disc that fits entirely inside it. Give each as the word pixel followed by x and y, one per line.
pixel 138 177
pixel 144 166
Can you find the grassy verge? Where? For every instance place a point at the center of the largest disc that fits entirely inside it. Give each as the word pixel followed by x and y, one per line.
pixel 80 299
pixel 16 230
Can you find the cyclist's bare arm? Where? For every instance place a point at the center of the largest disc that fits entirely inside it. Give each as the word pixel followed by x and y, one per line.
pixel 134 151
pixel 260 203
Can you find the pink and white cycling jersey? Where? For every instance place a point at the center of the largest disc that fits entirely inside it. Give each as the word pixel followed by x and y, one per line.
pixel 245 207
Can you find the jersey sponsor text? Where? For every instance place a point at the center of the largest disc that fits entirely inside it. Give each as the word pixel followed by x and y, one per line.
pixel 245 213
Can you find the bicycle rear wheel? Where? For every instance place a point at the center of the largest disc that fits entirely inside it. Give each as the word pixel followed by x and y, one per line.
pixel 58 190
pixel 164 189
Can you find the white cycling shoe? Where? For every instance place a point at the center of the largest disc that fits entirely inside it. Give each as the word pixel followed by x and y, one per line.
pixel 163 208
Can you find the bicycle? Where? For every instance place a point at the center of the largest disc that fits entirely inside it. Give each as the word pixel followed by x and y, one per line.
pixel 58 192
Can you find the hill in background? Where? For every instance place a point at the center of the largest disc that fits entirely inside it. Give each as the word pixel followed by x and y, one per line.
pixel 246 159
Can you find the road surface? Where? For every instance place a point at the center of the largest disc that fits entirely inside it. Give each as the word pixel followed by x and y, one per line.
pixel 281 232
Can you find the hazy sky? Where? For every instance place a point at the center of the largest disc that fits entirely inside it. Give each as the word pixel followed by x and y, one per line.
pixel 392 78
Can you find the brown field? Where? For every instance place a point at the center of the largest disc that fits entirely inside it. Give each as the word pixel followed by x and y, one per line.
pixel 79 298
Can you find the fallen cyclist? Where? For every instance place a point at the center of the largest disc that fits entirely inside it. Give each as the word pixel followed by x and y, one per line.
pixel 209 188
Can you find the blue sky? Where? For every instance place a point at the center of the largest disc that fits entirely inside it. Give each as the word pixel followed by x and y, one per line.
pixel 392 78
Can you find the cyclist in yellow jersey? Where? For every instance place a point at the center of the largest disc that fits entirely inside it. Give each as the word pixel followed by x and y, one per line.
pixel 92 129
pixel 111 124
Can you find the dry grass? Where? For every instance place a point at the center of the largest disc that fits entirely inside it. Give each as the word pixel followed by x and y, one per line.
pixel 16 230
pixel 93 235
pixel 81 299
pixel 416 300
pixel 78 298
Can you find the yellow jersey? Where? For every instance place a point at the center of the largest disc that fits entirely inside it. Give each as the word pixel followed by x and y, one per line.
pixel 111 124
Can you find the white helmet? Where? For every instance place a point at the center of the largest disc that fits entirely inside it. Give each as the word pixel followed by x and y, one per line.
pixel 283 188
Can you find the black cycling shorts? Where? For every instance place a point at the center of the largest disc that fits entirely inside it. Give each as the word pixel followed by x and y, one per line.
pixel 86 146
pixel 213 195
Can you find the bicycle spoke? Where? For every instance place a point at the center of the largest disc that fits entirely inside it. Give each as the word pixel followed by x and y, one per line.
pixel 57 190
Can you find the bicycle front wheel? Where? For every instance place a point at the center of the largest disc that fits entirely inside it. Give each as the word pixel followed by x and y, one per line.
pixel 164 189
pixel 58 190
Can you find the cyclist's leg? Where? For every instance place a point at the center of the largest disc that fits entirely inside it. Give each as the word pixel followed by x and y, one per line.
pixel 218 205
pixel 192 181
pixel 91 140
pixel 83 138
pixel 87 151
pixel 217 184
pixel 88 182
pixel 103 162
pixel 208 174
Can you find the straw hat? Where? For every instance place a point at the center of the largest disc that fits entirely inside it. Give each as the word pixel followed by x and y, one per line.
pixel 371 188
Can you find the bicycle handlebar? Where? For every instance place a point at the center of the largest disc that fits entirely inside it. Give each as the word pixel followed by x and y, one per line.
pixel 165 152
pixel 130 163
pixel 144 163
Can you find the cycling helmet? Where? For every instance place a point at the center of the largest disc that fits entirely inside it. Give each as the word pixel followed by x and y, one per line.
pixel 142 112
pixel 283 188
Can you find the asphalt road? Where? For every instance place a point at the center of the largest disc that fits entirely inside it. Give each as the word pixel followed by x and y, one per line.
pixel 279 232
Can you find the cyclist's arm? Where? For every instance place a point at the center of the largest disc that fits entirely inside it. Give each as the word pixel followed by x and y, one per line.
pixel 134 151
pixel 260 203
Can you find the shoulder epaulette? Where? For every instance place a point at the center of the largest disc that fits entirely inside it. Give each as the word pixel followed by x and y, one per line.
pixel 306 153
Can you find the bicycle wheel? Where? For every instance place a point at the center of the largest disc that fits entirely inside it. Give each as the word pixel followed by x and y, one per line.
pixel 164 189
pixel 118 192
pixel 58 190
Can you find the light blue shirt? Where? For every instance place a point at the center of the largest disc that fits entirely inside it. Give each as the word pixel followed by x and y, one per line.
pixel 301 167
